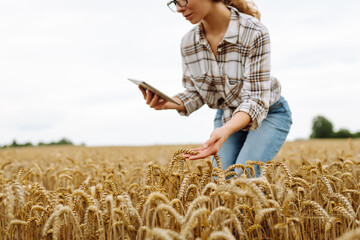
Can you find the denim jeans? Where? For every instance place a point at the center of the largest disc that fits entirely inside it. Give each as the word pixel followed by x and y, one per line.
pixel 260 144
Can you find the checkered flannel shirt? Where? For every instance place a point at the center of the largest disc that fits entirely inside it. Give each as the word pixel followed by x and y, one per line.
pixel 239 79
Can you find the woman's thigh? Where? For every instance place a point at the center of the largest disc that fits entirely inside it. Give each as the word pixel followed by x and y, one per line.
pixel 264 143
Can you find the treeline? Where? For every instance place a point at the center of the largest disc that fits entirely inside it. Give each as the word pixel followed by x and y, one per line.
pixel 323 128
pixel 63 141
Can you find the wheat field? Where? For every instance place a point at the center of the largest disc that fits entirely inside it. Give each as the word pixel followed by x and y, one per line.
pixel 310 190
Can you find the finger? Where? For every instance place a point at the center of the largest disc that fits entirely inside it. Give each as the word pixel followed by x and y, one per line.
pixel 197 149
pixel 187 155
pixel 149 96
pixel 204 153
pixel 212 140
pixel 142 91
pixel 154 101
pixel 160 105
pixel 199 156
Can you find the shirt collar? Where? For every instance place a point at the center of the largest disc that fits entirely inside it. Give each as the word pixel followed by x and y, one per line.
pixel 232 31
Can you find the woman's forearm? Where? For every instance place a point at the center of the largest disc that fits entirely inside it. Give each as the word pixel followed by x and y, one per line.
pixel 239 121
pixel 180 107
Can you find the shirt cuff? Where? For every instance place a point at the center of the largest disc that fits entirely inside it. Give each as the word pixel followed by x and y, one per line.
pixel 257 114
pixel 192 102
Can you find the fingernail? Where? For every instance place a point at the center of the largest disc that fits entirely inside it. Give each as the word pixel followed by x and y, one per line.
pixel 205 145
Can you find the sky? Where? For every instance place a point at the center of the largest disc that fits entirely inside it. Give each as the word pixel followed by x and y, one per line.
pixel 64 66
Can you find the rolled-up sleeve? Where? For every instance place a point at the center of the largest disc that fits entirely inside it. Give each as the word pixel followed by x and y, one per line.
pixel 190 97
pixel 255 93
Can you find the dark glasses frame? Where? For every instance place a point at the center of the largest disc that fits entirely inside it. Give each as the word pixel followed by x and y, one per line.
pixel 176 2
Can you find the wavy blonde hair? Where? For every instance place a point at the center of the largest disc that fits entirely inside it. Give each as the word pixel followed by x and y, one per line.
pixel 244 6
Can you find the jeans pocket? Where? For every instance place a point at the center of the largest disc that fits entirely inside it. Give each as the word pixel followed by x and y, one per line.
pixel 277 108
pixel 282 109
pixel 281 106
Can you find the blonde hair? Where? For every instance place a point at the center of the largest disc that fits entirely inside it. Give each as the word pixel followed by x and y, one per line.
pixel 244 6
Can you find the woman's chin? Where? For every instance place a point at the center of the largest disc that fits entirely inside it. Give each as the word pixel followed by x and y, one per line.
pixel 194 21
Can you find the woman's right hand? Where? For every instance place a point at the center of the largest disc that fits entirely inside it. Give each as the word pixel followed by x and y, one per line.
pixel 157 103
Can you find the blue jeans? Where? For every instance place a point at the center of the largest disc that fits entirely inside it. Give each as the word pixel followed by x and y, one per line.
pixel 260 144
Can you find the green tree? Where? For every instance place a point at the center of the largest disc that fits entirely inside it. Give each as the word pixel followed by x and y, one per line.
pixel 64 141
pixel 14 144
pixel 321 128
pixel 28 144
pixel 356 135
pixel 343 133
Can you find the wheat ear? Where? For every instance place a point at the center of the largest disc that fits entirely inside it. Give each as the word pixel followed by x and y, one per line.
pixel 351 235
pixel 224 234
pixel 193 221
pixel 196 202
pixel 172 211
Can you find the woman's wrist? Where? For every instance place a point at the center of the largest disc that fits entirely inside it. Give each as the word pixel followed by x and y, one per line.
pixel 180 107
pixel 227 130
pixel 239 121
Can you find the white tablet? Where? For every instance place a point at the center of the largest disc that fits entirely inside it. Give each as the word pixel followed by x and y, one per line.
pixel 153 90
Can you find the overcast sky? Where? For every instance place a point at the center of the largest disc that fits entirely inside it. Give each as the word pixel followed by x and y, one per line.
pixel 64 64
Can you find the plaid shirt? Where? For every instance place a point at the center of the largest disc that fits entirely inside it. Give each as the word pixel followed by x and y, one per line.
pixel 239 79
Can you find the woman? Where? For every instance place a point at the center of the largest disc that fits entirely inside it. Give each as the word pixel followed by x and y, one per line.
pixel 226 64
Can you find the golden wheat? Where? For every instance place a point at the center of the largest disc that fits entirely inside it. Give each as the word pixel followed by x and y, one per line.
pixel 310 190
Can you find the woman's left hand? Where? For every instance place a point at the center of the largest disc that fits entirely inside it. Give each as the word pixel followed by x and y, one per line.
pixel 212 146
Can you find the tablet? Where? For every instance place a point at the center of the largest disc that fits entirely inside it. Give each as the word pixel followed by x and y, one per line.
pixel 153 90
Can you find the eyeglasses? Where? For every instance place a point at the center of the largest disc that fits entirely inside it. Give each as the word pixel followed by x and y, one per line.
pixel 172 4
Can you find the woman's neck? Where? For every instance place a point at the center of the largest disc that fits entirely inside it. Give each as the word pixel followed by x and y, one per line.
pixel 217 20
